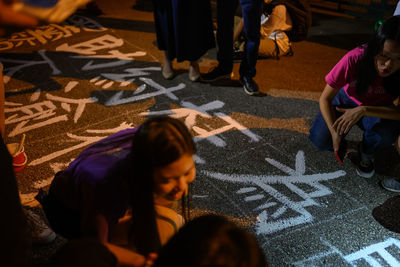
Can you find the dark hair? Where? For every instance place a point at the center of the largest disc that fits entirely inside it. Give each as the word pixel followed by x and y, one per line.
pixel 211 241
pixel 158 142
pixel 366 72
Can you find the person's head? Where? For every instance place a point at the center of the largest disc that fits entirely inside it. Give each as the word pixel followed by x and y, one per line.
pixel 211 241
pixel 162 167
pixel 382 57
pixel 162 152
pixel 386 47
pixel 83 252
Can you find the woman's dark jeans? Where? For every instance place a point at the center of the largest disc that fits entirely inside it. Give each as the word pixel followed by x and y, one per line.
pixel 378 133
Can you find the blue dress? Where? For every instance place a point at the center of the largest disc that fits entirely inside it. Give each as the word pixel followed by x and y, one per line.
pixel 184 28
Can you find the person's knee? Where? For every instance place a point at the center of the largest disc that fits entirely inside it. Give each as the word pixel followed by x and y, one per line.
pixel 320 145
pixel 320 141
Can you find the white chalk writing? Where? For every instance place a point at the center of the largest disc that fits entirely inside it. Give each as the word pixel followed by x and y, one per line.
pixel 40 114
pixel 90 47
pixel 85 141
pixel 124 79
pixel 380 249
pixel 191 112
pixel 376 255
pixel 50 33
pixel 21 64
pixel 270 222
pixel 113 54
pixel 119 99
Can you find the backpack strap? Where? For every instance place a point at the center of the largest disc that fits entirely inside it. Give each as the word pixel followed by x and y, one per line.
pixel 169 220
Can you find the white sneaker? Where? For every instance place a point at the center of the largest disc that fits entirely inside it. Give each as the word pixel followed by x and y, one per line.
pixel 41 233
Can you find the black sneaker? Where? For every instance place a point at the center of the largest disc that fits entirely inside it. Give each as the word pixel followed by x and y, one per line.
pixel 216 74
pixel 249 85
pixel 366 166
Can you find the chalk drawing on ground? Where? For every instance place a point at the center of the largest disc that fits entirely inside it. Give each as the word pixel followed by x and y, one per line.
pixel 273 216
pixel 191 112
pixel 90 47
pixel 50 33
pixel 84 141
pixel 124 79
pixel 52 109
pixel 376 255
pixel 119 98
pixel 18 65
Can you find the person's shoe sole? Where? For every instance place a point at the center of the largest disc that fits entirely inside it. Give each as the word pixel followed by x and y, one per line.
pixel 365 174
pixel 389 188
pixel 250 93
pixel 247 91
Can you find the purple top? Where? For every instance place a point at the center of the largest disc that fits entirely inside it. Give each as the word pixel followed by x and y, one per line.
pixel 95 182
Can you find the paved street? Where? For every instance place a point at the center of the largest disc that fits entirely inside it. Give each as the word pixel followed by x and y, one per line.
pixel 72 84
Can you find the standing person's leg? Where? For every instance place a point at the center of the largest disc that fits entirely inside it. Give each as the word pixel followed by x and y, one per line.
pixel 225 18
pixel 164 27
pixel 167 70
pixel 251 11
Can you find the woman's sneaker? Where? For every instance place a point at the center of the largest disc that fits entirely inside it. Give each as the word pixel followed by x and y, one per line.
pixel 391 184
pixel 365 167
pixel 41 233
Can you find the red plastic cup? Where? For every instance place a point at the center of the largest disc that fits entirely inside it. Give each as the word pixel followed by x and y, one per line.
pixel 19 157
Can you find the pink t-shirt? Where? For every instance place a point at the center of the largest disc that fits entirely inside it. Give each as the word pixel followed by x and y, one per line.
pixel 344 75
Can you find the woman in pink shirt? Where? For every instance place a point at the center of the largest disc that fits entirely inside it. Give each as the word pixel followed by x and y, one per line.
pixel 361 89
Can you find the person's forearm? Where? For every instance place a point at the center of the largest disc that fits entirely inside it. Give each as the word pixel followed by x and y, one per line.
pixel 325 105
pixel 126 257
pixel 390 113
pixel 328 113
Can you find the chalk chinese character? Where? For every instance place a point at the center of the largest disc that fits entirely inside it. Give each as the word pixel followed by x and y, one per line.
pixel 272 217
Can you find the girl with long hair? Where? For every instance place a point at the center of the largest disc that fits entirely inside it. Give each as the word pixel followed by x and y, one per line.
pixel 361 89
pixel 122 189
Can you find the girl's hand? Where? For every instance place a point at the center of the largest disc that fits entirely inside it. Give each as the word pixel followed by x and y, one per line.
pixel 350 116
pixel 336 138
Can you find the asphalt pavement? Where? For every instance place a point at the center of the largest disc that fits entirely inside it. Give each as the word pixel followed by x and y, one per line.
pixel 71 84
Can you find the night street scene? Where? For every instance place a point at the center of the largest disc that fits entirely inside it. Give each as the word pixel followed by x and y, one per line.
pixel 287 157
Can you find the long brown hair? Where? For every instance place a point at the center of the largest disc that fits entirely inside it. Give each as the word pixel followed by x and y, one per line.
pixel 158 142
